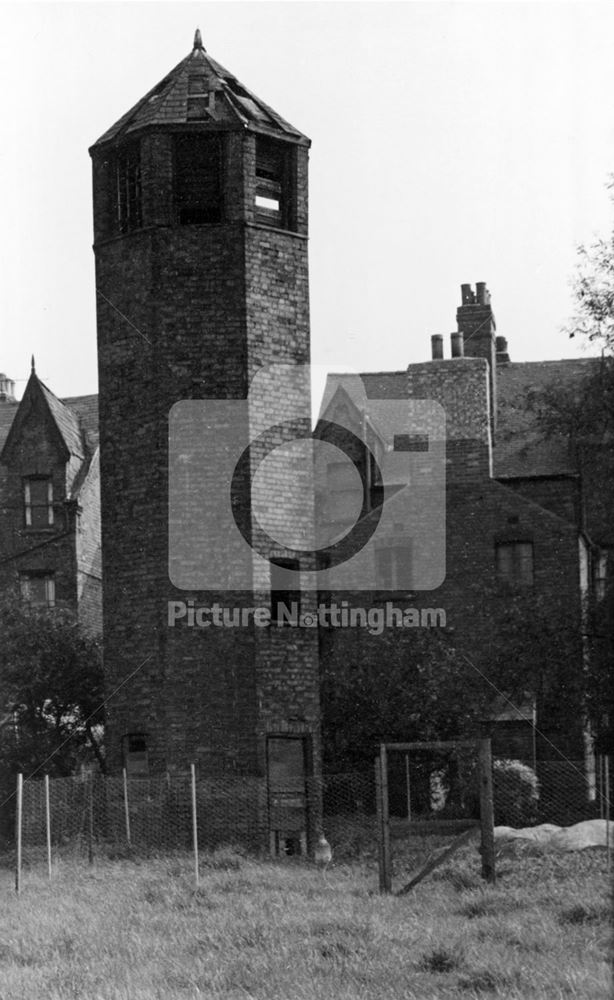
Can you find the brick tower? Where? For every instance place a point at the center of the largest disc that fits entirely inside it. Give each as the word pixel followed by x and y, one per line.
pixel 200 229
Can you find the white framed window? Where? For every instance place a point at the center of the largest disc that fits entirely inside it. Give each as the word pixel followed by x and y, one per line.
pixel 38 589
pixel 38 502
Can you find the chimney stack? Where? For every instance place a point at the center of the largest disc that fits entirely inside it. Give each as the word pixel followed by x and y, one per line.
pixel 437 347
pixel 476 322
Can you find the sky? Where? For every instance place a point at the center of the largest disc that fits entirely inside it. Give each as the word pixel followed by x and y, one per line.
pixel 452 142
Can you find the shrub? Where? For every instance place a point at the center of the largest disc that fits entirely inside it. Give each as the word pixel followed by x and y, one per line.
pixel 515 793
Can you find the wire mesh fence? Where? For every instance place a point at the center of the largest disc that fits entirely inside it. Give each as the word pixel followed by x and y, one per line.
pixel 431 799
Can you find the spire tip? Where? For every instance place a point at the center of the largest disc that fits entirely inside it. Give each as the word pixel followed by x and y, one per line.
pixel 198 40
pixel 32 366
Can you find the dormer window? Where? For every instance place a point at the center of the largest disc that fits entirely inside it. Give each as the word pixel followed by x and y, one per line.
pixel 200 100
pixel 38 502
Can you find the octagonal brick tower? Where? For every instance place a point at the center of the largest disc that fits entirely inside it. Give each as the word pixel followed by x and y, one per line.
pixel 200 229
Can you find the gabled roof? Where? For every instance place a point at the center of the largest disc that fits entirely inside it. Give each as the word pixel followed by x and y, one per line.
pixel 167 102
pixel 64 419
pixel 522 447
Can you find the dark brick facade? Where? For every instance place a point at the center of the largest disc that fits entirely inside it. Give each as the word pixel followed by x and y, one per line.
pixel 538 502
pixel 46 440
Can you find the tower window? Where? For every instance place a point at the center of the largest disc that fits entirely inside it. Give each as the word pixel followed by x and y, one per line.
pixel 198 197
pixel 128 189
pixel 282 596
pixel 514 563
pixel 38 589
pixel 272 199
pixel 38 502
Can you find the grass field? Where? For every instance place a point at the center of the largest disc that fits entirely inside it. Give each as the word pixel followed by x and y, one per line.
pixel 130 930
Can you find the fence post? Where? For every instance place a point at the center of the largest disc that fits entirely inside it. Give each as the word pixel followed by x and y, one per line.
pixel 18 819
pixel 408 788
pixel 385 834
pixel 48 823
pixel 378 814
pixel 127 808
pixel 608 839
pixel 90 820
pixel 487 812
pixel 195 826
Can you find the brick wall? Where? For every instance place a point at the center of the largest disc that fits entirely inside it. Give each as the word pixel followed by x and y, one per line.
pixel 207 306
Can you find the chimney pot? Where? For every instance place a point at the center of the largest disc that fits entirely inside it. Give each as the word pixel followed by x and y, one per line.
pixel 502 350
pixel 481 293
pixel 467 296
pixel 437 347
pixel 458 344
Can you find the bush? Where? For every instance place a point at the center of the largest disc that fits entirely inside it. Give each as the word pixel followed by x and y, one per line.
pixel 515 792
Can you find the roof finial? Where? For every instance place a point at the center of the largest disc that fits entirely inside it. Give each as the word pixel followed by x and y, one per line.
pixel 198 40
pixel 32 366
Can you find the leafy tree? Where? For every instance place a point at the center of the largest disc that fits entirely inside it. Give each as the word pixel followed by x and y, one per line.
pixel 51 691
pixel 413 685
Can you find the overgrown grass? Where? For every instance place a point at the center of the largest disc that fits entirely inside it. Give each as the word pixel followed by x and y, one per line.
pixel 134 929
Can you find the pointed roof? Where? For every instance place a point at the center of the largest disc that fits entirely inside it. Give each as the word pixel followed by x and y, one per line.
pixel 65 421
pixel 171 101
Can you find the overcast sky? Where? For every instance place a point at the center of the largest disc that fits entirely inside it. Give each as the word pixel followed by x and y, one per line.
pixel 452 142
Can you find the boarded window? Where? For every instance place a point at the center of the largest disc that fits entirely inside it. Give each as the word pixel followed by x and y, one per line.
pixel 38 589
pixel 514 563
pixel 38 502
pixel 198 195
pixel 127 189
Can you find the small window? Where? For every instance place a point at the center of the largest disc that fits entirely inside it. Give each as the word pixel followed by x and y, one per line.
pixel 127 182
pixel 38 589
pixel 393 568
pixel 600 575
pixel 411 442
pixel 272 182
pixel 198 196
pixel 285 600
pixel 38 502
pixel 200 99
pixel 514 563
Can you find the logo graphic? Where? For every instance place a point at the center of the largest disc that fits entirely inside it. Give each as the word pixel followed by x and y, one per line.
pixel 259 501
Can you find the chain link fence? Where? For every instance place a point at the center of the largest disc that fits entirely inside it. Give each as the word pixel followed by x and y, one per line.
pixel 92 815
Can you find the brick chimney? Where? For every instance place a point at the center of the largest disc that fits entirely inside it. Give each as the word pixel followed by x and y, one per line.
pixel 476 322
